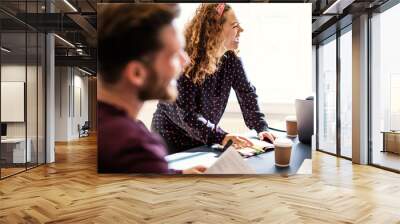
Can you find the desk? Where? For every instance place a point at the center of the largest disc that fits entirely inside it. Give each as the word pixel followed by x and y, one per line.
pixel 262 164
pixel 13 150
pixel 391 141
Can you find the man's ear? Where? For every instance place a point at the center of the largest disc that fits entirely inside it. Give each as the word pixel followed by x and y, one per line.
pixel 135 73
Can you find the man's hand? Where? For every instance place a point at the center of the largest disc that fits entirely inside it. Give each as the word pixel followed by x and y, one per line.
pixel 195 170
pixel 238 141
pixel 267 136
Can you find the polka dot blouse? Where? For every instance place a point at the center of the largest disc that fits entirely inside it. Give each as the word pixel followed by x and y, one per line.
pixel 193 119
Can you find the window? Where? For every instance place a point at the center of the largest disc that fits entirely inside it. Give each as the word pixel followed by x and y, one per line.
pixel 385 86
pixel 22 88
pixel 346 93
pixel 394 102
pixel 327 95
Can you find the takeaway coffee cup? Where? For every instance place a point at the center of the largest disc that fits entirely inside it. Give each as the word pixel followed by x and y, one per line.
pixel 291 126
pixel 283 150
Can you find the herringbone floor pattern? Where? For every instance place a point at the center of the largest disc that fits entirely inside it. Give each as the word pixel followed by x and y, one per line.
pixel 70 191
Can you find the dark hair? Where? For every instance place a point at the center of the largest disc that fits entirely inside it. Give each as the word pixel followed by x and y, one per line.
pixel 129 32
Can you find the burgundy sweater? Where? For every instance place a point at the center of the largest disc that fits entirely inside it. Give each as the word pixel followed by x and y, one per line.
pixel 127 146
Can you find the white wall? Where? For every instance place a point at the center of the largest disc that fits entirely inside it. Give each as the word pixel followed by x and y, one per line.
pixel 33 127
pixel 12 73
pixel 80 100
pixel 70 84
pixel 61 103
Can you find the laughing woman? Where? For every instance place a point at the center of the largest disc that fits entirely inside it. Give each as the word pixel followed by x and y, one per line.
pixel 212 37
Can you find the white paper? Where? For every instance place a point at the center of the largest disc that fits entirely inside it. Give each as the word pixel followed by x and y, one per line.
pixel 186 160
pixel 230 162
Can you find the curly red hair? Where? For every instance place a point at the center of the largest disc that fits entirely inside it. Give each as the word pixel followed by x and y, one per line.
pixel 203 40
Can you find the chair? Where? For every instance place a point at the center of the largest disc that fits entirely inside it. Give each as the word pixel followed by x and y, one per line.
pixel 84 130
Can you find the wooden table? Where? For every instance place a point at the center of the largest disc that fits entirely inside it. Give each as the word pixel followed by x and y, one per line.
pixel 13 150
pixel 391 141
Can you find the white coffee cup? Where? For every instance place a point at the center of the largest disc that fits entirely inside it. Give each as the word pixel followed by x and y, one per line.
pixel 283 150
pixel 291 126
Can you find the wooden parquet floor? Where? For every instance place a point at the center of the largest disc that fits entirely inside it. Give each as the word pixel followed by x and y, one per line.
pixel 70 191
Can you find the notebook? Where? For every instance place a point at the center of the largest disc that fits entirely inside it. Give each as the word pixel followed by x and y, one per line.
pixel 259 147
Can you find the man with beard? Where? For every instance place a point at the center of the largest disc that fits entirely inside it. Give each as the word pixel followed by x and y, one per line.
pixel 139 55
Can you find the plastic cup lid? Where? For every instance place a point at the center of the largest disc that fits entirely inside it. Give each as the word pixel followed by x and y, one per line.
pixel 283 142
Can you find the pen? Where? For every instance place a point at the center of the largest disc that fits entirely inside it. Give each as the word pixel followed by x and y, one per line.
pixel 228 144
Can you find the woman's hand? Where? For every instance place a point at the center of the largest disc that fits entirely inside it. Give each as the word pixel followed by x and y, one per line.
pixel 267 136
pixel 238 141
pixel 195 170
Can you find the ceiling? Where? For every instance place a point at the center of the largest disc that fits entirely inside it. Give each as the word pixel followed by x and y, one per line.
pixel 75 21
pixel 72 20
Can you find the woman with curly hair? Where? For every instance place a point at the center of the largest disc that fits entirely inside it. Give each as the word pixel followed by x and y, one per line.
pixel 212 39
